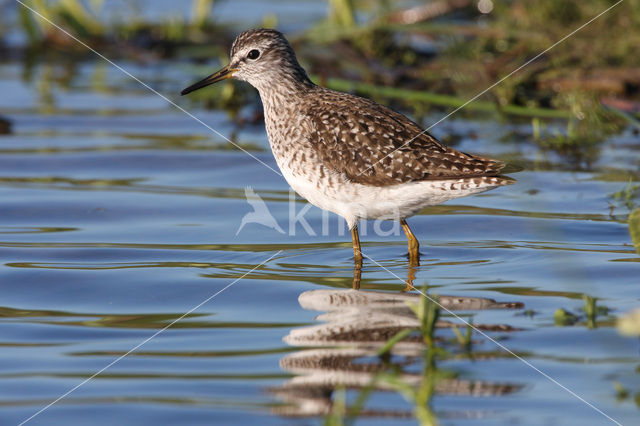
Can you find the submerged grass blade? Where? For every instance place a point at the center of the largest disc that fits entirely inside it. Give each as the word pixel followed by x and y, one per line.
pixel 388 346
pixel 634 228
pixel 436 99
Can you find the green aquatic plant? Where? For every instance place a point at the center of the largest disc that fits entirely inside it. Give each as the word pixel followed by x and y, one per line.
pixel 634 228
pixel 85 20
pixel 592 311
pixel 200 13
pixel 398 337
pixel 628 195
pixel 413 97
pixel 589 313
pixel 622 394
pixel 342 13
pixel 428 312
pixel 421 396
pixel 586 128
pixel 562 317
pixel 464 340
pixel 519 30
pixel 78 17
pixel 568 81
pixel 468 60
pixel 338 408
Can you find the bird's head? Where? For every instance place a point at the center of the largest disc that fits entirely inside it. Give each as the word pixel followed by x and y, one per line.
pixel 261 57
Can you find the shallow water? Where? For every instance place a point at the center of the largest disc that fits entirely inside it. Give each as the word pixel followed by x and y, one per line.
pixel 119 214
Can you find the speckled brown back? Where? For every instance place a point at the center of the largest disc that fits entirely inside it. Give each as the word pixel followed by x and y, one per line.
pixel 368 143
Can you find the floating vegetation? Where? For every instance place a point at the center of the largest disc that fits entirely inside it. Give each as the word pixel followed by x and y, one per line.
pixel 386 54
pixel 588 315
pixel 563 317
pixel 627 196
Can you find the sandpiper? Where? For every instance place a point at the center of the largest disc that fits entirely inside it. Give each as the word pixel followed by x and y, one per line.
pixel 348 154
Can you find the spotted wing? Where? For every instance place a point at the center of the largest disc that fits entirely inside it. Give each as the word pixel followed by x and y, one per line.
pixel 373 145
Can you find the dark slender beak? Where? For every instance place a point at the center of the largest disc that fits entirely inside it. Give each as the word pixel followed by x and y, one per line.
pixel 223 74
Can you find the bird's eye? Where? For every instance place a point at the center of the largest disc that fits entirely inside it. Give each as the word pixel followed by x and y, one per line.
pixel 254 54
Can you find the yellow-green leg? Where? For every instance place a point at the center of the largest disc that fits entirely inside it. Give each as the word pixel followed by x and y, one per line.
pixel 411 275
pixel 355 239
pixel 414 245
pixel 357 257
pixel 357 275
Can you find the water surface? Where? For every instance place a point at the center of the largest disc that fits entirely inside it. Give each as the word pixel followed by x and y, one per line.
pixel 119 214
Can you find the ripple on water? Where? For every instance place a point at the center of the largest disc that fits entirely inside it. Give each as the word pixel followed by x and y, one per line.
pixel 119 215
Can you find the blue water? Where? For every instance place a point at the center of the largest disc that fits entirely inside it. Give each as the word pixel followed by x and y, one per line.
pixel 119 214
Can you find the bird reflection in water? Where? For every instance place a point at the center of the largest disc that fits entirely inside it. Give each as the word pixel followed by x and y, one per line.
pixel 411 275
pixel 345 355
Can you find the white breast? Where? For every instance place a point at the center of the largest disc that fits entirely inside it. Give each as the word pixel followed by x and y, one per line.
pixel 354 201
